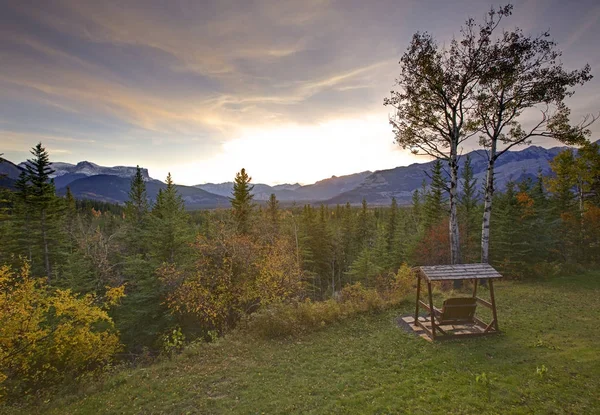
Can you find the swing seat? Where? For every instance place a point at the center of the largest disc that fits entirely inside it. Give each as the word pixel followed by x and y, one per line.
pixel 460 310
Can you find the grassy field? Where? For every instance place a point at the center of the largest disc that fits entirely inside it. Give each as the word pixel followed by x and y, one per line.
pixel 546 361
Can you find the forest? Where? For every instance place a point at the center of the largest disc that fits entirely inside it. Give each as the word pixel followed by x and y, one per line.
pixel 85 283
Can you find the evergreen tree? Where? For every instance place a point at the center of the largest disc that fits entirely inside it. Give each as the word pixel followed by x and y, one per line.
pixel 348 239
pixel 363 228
pixel 43 206
pixel 509 248
pixel 70 215
pixel 434 207
pixel 242 201
pixel 273 213
pixel 393 243
pixel 141 316
pixel 23 245
pixel 136 207
pixel 364 268
pixel 169 225
pixel 468 215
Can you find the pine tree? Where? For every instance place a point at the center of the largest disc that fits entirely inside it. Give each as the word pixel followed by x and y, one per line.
pixel 393 244
pixel 363 228
pixel 273 213
pixel 349 241
pixel 136 207
pixel 468 215
pixel 508 247
pixel 22 218
pixel 141 316
pixel 434 207
pixel 169 225
pixel 241 202
pixel 44 208
pixel 364 268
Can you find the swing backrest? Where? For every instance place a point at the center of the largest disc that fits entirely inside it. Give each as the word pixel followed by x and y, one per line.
pixel 458 310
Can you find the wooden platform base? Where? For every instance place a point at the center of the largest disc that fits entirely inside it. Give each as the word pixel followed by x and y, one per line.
pixel 423 329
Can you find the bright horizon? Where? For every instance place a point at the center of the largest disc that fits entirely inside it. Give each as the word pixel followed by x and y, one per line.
pixel 293 92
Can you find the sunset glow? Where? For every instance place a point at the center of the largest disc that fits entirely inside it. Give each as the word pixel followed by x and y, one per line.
pixel 292 91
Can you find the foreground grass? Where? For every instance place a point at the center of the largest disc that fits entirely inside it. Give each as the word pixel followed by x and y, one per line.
pixel 369 365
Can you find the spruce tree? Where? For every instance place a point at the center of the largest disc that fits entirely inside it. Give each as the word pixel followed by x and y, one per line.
pixel 241 202
pixel 273 213
pixel 467 211
pixel 169 225
pixel 43 204
pixel 136 207
pixel 22 217
pixel 393 246
pixel 434 207
pixel 363 228
pixel 141 316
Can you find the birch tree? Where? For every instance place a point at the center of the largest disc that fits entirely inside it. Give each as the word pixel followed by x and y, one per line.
pixel 435 99
pixel 524 76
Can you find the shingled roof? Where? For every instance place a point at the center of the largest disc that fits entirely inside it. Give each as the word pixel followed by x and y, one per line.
pixel 459 272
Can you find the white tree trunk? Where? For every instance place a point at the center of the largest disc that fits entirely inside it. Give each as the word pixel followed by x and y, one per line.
pixel 487 206
pixel 487 214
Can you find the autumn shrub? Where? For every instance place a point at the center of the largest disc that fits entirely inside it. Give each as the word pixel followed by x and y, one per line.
pixel 360 298
pixel 403 283
pixel 282 320
pixel 49 335
pixel 233 275
pixel 289 319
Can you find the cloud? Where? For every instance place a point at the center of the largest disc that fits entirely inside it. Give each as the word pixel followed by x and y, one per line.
pixel 155 82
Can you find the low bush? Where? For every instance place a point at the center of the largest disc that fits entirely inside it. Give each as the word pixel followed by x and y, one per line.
pixel 289 319
pixel 50 335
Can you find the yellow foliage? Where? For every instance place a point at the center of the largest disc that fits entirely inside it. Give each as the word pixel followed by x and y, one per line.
pixel 114 294
pixel 403 282
pixel 233 276
pixel 47 335
pixel 281 319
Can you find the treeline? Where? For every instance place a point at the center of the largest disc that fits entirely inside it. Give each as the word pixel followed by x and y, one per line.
pixel 82 281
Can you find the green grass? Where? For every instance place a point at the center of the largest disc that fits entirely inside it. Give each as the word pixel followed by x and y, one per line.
pixel 368 365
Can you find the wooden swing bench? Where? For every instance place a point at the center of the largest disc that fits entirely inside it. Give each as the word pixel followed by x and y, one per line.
pixel 457 317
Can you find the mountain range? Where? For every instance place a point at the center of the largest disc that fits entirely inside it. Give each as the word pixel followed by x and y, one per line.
pixel 111 184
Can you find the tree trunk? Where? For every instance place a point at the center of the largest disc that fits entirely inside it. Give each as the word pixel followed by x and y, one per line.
pixel 45 240
pixel 453 223
pixel 454 231
pixel 487 212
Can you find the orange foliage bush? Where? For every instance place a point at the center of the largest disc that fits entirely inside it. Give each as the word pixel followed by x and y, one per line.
pixel 434 248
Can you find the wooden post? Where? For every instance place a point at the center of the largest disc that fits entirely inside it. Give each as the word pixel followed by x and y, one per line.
pixel 494 315
pixel 418 297
pixel 431 312
pixel 475 287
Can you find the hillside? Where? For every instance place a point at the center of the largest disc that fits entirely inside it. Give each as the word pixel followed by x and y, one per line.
pixel 400 182
pixel 115 189
pixel 369 365
pixel 321 190
pixel 378 188
pixel 9 173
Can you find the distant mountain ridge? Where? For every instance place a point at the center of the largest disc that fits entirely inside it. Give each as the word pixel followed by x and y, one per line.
pixel 111 184
pixel 401 182
pixel 115 189
pixel 321 190
pixel 65 173
pixel 9 173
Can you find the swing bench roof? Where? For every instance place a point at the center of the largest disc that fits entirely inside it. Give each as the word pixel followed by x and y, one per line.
pixel 459 272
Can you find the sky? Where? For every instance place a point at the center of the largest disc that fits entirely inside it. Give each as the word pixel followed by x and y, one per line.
pixel 290 90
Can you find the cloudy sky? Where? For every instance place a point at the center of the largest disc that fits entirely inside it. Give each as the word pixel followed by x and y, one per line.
pixel 290 90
